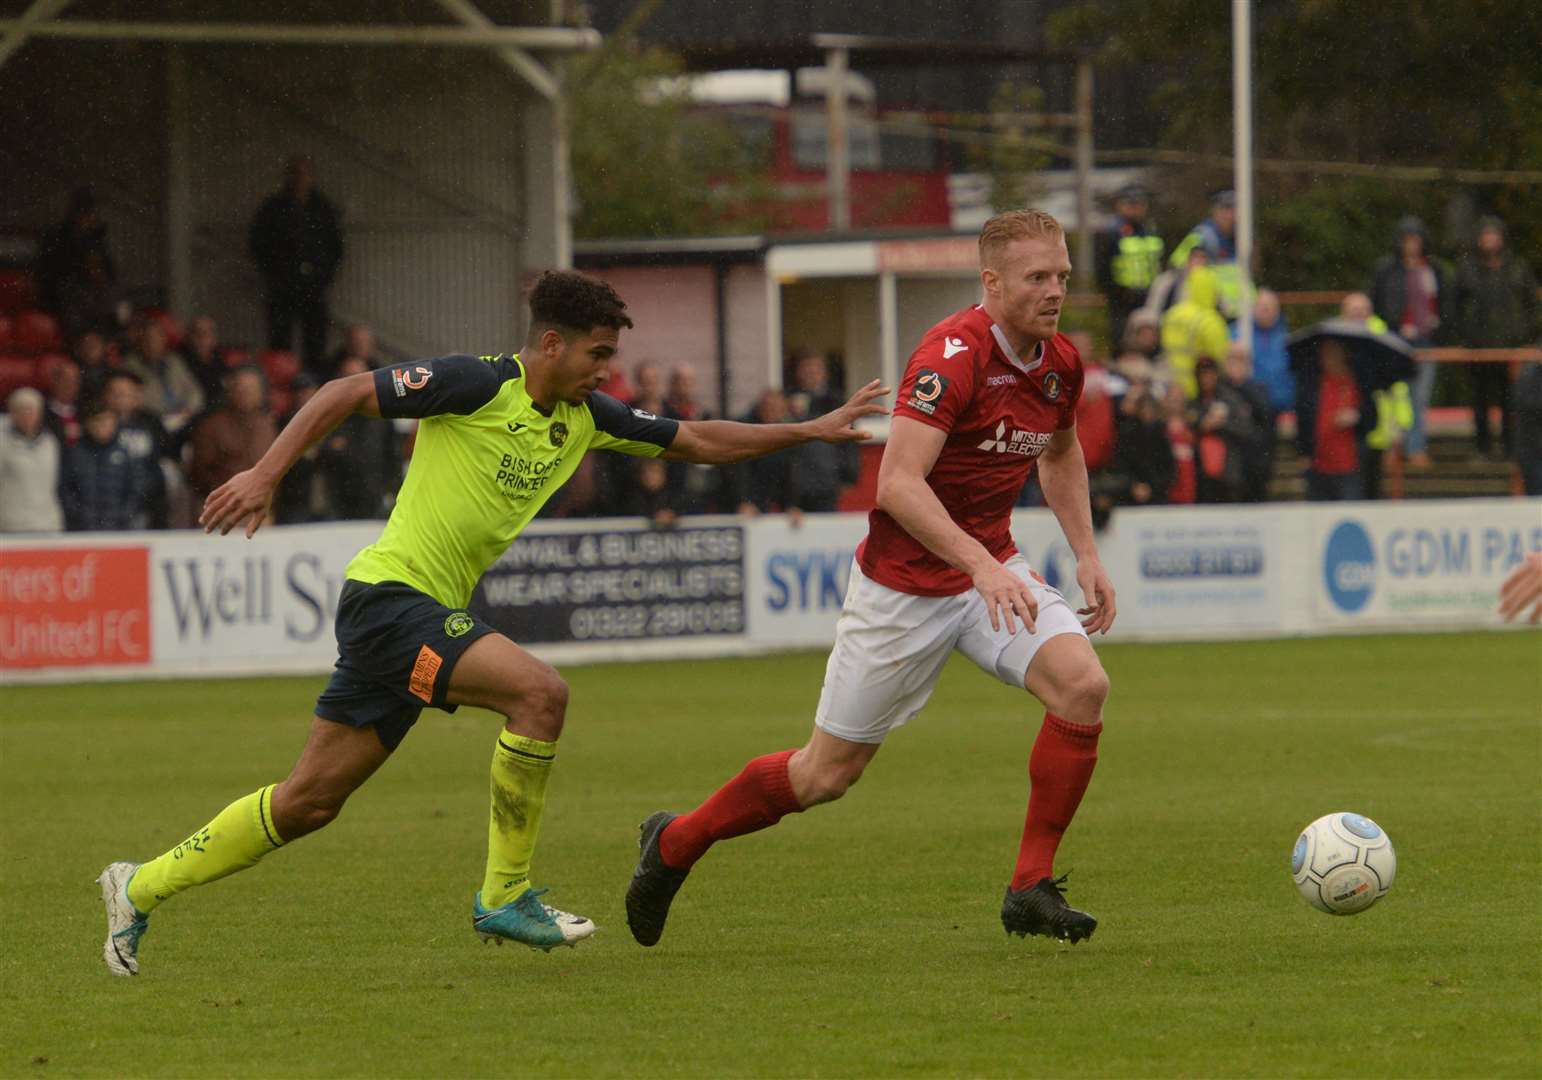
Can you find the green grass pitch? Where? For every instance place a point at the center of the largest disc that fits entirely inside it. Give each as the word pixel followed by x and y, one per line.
pixel 861 939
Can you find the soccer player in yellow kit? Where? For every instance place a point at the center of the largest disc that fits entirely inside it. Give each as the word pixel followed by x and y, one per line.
pixel 499 435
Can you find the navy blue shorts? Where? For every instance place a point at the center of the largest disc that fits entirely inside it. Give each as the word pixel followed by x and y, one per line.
pixel 396 647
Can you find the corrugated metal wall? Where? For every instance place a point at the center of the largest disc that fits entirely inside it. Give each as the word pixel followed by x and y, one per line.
pixel 419 148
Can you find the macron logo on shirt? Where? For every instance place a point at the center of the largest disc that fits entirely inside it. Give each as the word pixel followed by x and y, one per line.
pixel 952 346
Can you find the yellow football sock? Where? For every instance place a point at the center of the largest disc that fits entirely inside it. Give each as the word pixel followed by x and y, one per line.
pixel 238 836
pixel 521 767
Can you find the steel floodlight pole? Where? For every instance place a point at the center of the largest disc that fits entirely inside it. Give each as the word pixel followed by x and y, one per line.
pixel 39 12
pixel 837 156
pixel 1084 156
pixel 1242 135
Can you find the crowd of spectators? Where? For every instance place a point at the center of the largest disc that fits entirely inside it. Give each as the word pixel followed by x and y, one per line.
pixel 1227 402
pixel 144 417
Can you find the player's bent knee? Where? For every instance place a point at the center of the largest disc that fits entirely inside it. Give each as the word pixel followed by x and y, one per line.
pixel 299 813
pixel 832 781
pixel 1086 695
pixel 540 706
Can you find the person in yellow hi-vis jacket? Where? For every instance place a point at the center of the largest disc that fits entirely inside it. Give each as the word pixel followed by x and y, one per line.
pixel 1394 405
pixel 1193 327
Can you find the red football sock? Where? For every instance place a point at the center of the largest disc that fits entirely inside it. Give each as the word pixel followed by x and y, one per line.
pixel 1058 770
pixel 759 797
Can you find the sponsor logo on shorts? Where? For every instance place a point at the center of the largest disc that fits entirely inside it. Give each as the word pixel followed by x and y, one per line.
pixel 424 670
pixel 559 433
pixel 403 379
pixel 929 386
pixel 1053 384
pixel 458 624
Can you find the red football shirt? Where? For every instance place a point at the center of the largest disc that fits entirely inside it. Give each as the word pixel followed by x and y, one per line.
pixel 999 411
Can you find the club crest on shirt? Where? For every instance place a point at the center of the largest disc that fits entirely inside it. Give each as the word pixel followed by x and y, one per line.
pixel 1053 384
pixel 559 433
pixel 928 387
pixel 403 380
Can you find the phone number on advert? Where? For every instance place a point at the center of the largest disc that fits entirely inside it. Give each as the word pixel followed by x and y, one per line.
pixel 657 620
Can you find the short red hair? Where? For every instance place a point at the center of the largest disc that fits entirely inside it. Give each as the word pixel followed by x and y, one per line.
pixel 1002 229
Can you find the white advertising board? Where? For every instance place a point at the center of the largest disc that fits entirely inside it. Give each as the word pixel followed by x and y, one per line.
pixel 1416 564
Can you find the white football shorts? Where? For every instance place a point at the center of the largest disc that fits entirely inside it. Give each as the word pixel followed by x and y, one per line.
pixel 890 647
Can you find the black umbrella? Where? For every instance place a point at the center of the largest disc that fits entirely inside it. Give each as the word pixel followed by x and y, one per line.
pixel 1378 359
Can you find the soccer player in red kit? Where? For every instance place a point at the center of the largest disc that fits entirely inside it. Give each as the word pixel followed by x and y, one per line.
pixel 989 394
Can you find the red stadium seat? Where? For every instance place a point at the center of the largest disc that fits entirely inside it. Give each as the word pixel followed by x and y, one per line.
pixel 17 371
pixel 280 366
pixel 235 358
pixel 17 292
pixel 35 331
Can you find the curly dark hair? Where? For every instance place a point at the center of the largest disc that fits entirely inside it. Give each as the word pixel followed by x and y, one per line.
pixel 575 303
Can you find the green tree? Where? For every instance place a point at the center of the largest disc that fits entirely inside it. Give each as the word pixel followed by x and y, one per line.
pixel 646 162
pixel 1419 82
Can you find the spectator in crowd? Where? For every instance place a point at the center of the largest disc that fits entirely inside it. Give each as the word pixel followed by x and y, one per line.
pixel 1143 452
pixel 89 350
pixel 102 486
pixel 358 344
pixel 680 403
pixel 359 463
pixel 820 471
pixel 62 413
pixel 1271 363
pixel 142 435
pixel 695 489
pixel 1097 429
pixel 1193 327
pixel 1496 308
pixel 1527 399
pixel 77 277
pixel 202 354
pixel 1143 334
pixel 29 467
pixel 172 392
pixel 1411 292
pixel 1128 257
pixel 763 485
pixel 1180 437
pixel 1216 237
pixel 648 388
pixel 1259 443
pixel 301 496
pixel 648 495
pixel 1222 425
pixel 297 244
pixel 231 438
pixel 1332 420
pixel 1394 405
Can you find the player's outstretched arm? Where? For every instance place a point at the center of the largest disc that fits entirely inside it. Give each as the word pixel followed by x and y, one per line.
pixel 723 442
pixel 247 497
pixel 904 495
pixel 1522 588
pixel 1063 474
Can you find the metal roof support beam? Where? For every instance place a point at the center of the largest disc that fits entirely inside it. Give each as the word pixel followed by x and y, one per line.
pixel 554 38
pixel 514 58
pixel 837 149
pixel 40 11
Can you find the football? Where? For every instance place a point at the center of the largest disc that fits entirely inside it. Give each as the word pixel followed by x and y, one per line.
pixel 1343 863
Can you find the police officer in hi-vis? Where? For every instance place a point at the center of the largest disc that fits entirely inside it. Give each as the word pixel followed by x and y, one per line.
pixel 1129 257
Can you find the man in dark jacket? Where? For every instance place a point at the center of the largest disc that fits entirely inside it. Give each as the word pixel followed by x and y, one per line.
pixel 819 471
pixel 359 462
pixel 760 485
pixel 143 436
pixel 1496 308
pixel 102 486
pixel 1411 293
pixel 1127 258
pixel 75 269
pixel 1527 396
pixel 297 244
